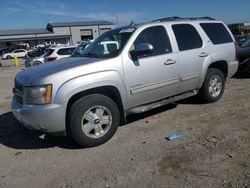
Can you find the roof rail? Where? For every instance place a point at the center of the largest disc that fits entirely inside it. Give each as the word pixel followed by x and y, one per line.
pixel 176 18
pixel 166 19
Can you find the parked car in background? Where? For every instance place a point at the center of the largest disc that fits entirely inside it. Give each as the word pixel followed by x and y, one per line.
pixel 84 42
pixel 35 60
pixel 36 53
pixel 79 49
pixel 23 45
pixel 18 53
pixel 6 50
pixel 11 49
pixel 59 53
pixel 240 39
pixel 45 44
pixel 244 57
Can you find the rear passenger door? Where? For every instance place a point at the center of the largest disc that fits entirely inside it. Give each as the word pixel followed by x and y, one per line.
pixel 191 56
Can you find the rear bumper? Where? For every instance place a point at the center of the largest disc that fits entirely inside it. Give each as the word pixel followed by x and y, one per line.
pixel 48 118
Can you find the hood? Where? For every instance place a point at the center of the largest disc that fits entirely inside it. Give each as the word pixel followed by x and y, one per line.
pixel 28 76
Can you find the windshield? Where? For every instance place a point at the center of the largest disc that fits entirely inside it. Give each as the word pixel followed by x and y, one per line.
pixel 108 45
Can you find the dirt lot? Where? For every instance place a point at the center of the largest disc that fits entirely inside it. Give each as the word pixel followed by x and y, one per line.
pixel 215 151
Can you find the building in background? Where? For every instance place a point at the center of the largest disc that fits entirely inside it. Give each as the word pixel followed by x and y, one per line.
pixel 63 32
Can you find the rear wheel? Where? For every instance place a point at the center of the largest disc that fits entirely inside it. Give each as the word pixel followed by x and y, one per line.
pixel 213 86
pixel 8 57
pixel 93 120
pixel 37 63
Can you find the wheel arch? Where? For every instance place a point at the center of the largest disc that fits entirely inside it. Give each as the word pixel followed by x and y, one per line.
pixel 109 91
pixel 222 65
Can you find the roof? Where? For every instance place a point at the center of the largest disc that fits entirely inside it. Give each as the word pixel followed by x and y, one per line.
pixel 23 32
pixel 72 24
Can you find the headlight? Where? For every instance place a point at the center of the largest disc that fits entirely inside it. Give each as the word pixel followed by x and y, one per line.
pixel 38 94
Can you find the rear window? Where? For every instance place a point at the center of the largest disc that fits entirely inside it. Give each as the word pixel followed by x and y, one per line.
pixel 65 51
pixel 187 37
pixel 217 33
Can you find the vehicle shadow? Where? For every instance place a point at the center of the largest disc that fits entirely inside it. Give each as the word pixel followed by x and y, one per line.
pixel 14 135
pixel 194 100
pixel 242 76
pixel 136 117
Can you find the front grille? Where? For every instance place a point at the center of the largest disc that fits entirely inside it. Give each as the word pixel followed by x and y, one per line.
pixel 18 92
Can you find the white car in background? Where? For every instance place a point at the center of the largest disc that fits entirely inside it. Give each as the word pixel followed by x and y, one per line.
pixel 59 53
pixel 18 53
pixel 45 44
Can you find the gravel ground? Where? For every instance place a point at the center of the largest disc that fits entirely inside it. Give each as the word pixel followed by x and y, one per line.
pixel 215 151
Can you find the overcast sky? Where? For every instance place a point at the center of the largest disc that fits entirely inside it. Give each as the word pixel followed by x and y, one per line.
pixel 15 14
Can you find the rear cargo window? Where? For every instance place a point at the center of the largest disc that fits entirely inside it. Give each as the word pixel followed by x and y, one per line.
pixel 65 51
pixel 217 33
pixel 187 37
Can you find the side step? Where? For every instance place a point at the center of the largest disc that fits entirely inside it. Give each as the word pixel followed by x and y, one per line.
pixel 146 107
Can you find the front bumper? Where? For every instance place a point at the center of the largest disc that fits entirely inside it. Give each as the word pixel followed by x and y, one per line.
pixel 48 118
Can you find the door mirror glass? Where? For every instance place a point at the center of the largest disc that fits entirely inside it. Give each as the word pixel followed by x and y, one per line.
pixel 142 49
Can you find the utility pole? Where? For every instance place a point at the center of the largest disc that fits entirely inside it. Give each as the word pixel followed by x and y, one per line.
pixel 117 21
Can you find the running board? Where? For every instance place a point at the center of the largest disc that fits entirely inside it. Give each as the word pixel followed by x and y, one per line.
pixel 144 108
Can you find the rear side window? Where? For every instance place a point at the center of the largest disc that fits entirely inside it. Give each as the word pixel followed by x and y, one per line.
pixel 187 37
pixel 157 37
pixel 65 51
pixel 217 33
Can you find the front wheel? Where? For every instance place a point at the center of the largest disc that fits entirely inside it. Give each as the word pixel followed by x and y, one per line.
pixel 8 57
pixel 94 119
pixel 37 63
pixel 213 86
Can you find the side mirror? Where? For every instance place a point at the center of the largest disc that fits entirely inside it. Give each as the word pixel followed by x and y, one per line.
pixel 142 49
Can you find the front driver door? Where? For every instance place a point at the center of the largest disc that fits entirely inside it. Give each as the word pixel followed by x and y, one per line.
pixel 153 76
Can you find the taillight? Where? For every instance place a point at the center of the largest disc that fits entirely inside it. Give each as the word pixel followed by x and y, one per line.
pixel 51 58
pixel 236 50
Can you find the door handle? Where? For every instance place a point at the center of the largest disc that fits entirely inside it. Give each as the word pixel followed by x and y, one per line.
pixel 203 54
pixel 169 62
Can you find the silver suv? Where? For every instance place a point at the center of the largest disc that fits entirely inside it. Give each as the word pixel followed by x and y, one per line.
pixel 127 70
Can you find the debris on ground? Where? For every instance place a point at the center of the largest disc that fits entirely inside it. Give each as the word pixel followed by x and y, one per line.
pixel 176 136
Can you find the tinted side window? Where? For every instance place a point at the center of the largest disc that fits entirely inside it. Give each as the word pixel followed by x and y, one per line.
pixel 65 51
pixel 217 33
pixel 187 37
pixel 49 52
pixel 157 37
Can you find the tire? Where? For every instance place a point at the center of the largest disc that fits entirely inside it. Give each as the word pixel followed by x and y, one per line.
pixel 37 63
pixel 86 116
pixel 8 57
pixel 211 90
